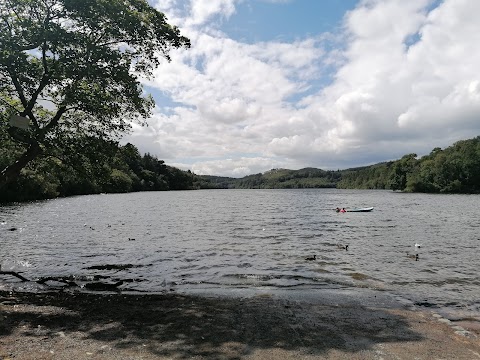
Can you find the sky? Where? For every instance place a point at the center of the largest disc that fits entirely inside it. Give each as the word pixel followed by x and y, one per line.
pixel 330 84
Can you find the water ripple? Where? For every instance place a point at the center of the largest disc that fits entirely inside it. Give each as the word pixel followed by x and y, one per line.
pixel 253 238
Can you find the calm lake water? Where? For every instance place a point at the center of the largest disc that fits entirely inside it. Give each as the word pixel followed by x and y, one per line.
pixel 231 239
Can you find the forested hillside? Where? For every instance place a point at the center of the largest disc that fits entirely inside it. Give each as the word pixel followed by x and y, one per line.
pixel 455 169
pixel 91 166
pixel 280 179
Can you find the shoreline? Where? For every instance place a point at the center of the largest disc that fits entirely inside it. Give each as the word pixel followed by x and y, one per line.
pixel 248 324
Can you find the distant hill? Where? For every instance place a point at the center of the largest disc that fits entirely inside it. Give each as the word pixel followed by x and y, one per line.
pixel 455 169
pixel 279 179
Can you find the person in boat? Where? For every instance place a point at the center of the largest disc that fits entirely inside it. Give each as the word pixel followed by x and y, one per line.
pixel 343 210
pixel 337 209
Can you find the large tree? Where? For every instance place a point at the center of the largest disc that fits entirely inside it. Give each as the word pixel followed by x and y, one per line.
pixel 73 68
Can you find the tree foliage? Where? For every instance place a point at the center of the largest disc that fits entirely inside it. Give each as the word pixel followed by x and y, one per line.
pixel 455 169
pixel 73 69
pixel 112 169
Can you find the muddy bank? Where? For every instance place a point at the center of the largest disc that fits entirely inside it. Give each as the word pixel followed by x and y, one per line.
pixel 76 325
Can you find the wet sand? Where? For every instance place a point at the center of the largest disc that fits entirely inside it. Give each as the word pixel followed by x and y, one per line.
pixel 256 325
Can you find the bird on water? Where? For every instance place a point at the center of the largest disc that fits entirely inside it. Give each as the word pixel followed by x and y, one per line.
pixel 411 256
pixel 343 247
pixel 310 258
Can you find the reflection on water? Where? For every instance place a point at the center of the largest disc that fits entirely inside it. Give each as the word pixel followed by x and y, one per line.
pixel 158 241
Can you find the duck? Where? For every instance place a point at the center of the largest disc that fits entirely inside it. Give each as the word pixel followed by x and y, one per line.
pixel 310 258
pixel 343 247
pixel 411 256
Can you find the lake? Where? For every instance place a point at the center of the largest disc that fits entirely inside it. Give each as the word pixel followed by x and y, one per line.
pixel 253 239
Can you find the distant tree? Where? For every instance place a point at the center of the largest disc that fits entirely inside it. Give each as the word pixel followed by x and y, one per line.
pixel 400 170
pixel 72 68
pixel 422 180
pixel 131 156
pixel 119 182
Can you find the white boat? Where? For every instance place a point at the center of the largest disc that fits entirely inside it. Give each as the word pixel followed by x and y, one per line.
pixel 365 209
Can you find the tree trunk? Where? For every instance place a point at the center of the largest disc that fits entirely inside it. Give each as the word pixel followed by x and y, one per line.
pixel 11 172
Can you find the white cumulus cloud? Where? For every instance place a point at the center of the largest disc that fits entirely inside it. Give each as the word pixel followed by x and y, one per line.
pixel 405 79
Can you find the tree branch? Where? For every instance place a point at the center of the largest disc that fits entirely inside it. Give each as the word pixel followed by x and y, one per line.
pixel 120 41
pixel 61 110
pixel 28 105
pixel 43 83
pixel 12 7
pixel 18 87
pixel 11 172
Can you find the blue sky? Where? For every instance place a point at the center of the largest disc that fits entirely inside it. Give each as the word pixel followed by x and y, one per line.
pixel 255 21
pixel 313 83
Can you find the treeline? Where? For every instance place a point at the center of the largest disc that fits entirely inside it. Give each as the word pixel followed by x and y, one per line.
pixel 455 169
pixel 91 166
pixel 279 179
